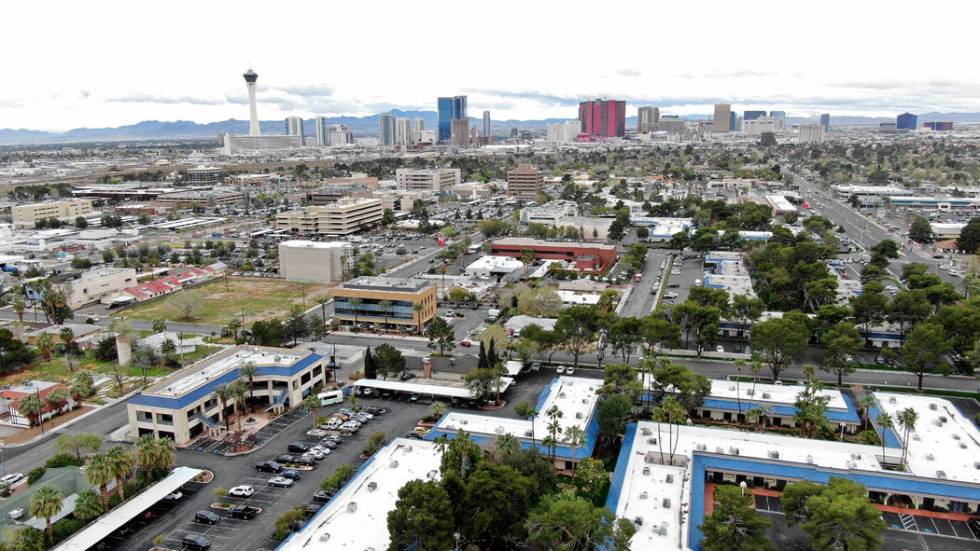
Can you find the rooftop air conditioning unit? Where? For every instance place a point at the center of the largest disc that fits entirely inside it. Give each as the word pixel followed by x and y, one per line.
pixel 750 392
pixel 324 537
pixel 578 414
pixel 891 400
pixel 646 471
pixel 352 507
pixel 372 486
pixel 464 422
pixel 652 441
pixel 643 495
pixel 561 394
pixel 527 433
pixel 731 388
pixel 766 396
pixel 646 431
pixel 809 459
pixel 670 479
pixel 941 475
pixel 930 457
pixel 702 447
pixel 963 445
pixel 585 400
pixel 773 454
pixel 933 406
pixel 666 503
pixel 638 521
pixel 394 464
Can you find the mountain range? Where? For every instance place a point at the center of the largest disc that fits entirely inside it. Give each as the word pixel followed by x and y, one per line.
pixel 360 126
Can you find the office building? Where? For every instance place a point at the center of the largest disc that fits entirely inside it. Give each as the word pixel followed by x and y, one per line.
pixel 759 125
pixel 344 217
pixel 722 120
pixel 811 133
pixel 779 117
pixel 184 405
pixel 92 285
pixel 647 119
pixel 825 122
pixel 733 121
pixel 315 261
pixel 201 174
pixel 386 302
pixel 906 121
pixel 203 198
pixel 294 127
pixel 451 109
pixel 887 127
pixel 460 134
pixel 671 123
pixel 587 257
pixel 752 115
pixel 603 118
pixel 322 131
pixel 427 179
pixel 403 132
pixel 525 182
pixel 486 126
pixel 564 132
pixel 251 77
pixel 386 130
pixel 26 216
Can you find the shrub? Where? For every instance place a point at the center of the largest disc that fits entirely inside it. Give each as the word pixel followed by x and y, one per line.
pixel 35 474
pixel 333 482
pixel 63 460
pixel 65 527
pixel 375 442
pixel 289 521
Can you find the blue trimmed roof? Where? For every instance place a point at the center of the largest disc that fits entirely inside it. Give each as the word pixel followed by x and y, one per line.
pixel 181 402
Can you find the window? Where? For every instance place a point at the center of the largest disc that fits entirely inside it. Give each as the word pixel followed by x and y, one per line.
pixel 165 419
pixel 144 416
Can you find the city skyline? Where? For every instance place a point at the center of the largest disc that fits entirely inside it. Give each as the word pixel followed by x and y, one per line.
pixel 98 83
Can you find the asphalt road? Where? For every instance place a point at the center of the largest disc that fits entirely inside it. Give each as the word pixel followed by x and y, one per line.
pixel 642 298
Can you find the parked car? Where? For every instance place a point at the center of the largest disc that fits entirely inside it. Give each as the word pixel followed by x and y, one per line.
pixel 414 435
pixel 196 542
pixel 570 370
pixel 268 467
pixel 305 460
pixel 244 512
pixel 375 410
pixel 536 366
pixel 285 458
pixel 291 474
pixel 322 496
pixel 9 479
pixel 242 491
pixel 560 369
pixel 316 433
pixel 280 482
pixel 298 447
pixel 173 496
pixel 206 517
pixel 317 453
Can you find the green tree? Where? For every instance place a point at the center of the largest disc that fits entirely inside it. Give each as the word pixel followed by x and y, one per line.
pixel 883 252
pixel 885 423
pixel 590 477
pixel 99 472
pixel 612 414
pixel 422 518
pixel 969 239
pixel 908 308
pixel 842 341
pixel 669 411
pixel 248 371
pixel 734 523
pixel 921 231
pixel 31 407
pixel 223 392
pixel 88 505
pixel 554 429
pixel 566 522
pixel 496 499
pixel 159 325
pixel 78 443
pixel 811 406
pixel 46 503
pixel 794 500
pixel 907 419
pixel 440 334
pixel 388 361
pixel 624 335
pixel 576 327
pixel 623 533
pixel 526 410
pixel 842 517
pixel 122 463
pixel 923 350
pixel 460 456
pixel 780 341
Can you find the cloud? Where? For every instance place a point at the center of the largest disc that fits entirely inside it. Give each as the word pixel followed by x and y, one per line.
pixel 540 97
pixel 309 90
pixel 166 100
pixel 627 72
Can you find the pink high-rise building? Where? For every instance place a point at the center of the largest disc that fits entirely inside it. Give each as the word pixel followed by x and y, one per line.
pixel 604 118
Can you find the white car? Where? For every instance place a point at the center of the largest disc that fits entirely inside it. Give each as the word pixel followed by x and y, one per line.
pixel 314 454
pixel 10 478
pixel 242 491
pixel 321 449
pixel 570 370
pixel 316 433
pixel 280 481
pixel 560 369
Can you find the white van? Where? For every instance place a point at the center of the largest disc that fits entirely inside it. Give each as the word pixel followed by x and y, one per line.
pixel 330 397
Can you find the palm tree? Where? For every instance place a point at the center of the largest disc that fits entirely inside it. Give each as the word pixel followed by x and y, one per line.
pixel 867 401
pixel 354 303
pixel 57 398
pixel 527 257
pixel 907 419
pixel 223 393
pixel 739 364
pixel 576 437
pixel 417 309
pixel 885 423
pixel 121 462
pixel 554 429
pixel 46 503
pixel 31 407
pixel 238 393
pixel 526 410
pixel 68 338
pixel 145 449
pixel 313 403
pixel 99 473
pixel 386 310
pixel 88 506
pixel 20 307
pixel 45 345
pixel 249 371
pixel 322 300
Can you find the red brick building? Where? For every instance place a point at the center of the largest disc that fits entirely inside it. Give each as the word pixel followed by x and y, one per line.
pixel 587 257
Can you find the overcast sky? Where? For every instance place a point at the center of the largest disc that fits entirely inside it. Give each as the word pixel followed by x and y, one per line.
pixel 69 64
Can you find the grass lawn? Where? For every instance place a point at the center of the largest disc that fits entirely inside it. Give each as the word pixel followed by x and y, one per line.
pixel 216 304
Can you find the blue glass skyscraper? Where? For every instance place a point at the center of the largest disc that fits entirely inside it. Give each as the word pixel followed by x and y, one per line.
pixel 445 127
pixel 825 122
pixel 907 121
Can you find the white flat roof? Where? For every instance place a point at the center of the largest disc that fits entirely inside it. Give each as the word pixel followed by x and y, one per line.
pixel 112 521
pixel 197 374
pixel 356 518
pixel 575 397
pixel 777 394
pixel 951 446
pixel 575 297
pixel 503 263
pixel 302 244
pixel 647 487
pixel 434 387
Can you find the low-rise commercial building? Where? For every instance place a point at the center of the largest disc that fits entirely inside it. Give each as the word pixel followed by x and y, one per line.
pixel 315 261
pixel 427 179
pixel 27 216
pixel 184 404
pixel 588 257
pixel 386 301
pixel 344 217
pixel 486 267
pixel 92 285
pixel 206 198
pixel 204 175
pixel 12 396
